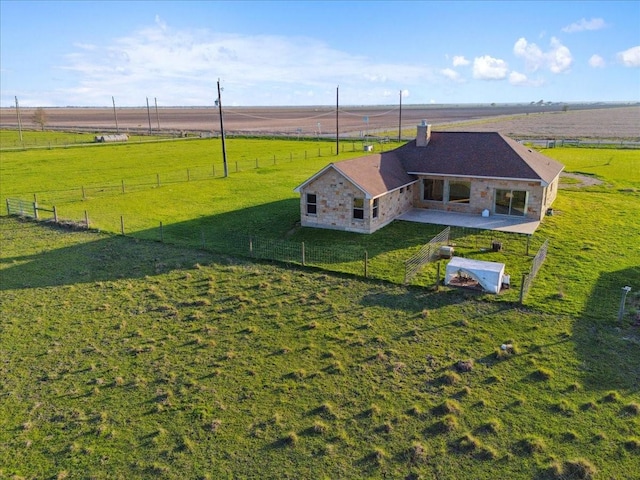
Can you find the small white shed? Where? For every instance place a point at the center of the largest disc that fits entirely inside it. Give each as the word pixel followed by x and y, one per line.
pixel 468 272
pixel 121 137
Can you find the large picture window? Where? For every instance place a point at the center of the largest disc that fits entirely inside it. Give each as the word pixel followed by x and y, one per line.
pixel 459 192
pixel 511 202
pixel 358 208
pixel 433 189
pixel 312 204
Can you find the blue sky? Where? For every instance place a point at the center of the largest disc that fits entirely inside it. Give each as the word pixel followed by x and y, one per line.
pixel 81 53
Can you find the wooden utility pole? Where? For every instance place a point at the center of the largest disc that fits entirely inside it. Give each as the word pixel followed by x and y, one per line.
pixel 157 114
pixel 149 115
pixel 115 115
pixel 224 149
pixel 400 118
pixel 337 125
pixel 19 119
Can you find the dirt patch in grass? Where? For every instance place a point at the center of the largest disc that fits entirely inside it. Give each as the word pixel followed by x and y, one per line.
pixel 573 180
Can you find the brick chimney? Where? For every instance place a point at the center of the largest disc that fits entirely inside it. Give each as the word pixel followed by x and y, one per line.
pixel 424 134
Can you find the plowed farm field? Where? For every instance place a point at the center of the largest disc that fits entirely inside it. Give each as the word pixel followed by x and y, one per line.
pixel 540 121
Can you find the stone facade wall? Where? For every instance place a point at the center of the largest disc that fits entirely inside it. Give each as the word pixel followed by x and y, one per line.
pixel 334 196
pixel 552 193
pixel 392 205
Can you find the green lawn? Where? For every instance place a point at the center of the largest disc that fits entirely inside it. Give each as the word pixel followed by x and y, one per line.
pixel 10 140
pixel 128 359
pixel 124 358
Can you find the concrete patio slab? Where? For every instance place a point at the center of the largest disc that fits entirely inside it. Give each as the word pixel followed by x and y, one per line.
pixel 502 223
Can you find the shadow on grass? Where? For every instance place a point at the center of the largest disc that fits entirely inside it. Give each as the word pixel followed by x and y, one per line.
pixel 272 231
pixel 609 350
pixel 89 260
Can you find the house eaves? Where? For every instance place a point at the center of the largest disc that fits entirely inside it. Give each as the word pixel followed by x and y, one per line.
pixel 299 188
pixel 483 177
pixel 332 166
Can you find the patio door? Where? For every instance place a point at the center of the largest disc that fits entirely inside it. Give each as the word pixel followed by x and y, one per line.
pixel 511 202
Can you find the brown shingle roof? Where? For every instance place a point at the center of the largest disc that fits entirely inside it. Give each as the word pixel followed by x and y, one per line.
pixel 477 154
pixel 467 154
pixel 375 174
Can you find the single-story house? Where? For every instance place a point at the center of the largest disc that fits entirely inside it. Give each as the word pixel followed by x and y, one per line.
pixel 465 172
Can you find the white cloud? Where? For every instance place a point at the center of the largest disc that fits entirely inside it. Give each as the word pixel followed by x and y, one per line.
pixel 516 78
pixel 180 67
pixel 584 24
pixel 451 74
pixel 557 59
pixel 630 57
pixel 460 61
pixel 375 78
pixel 596 61
pixel 489 68
pixel 530 52
pixel 85 46
pixel 521 80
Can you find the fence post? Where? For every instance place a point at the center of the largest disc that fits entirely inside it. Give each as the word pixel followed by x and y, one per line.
pixel 274 159
pixel 122 186
pixel 161 233
pixel 35 210
pixel 438 277
pixel 121 224
pixel 522 292
pixel 8 208
pixel 251 247
pixel 236 166
pixel 188 175
pixel 366 264
pixel 55 214
pixel 257 163
pixel 303 254
pixel 86 219
pixel 84 196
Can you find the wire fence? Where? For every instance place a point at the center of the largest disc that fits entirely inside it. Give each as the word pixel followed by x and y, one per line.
pixel 578 143
pixel 194 173
pixel 527 278
pixel 427 253
pixel 510 248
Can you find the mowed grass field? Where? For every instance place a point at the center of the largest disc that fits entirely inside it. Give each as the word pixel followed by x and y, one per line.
pixel 132 359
